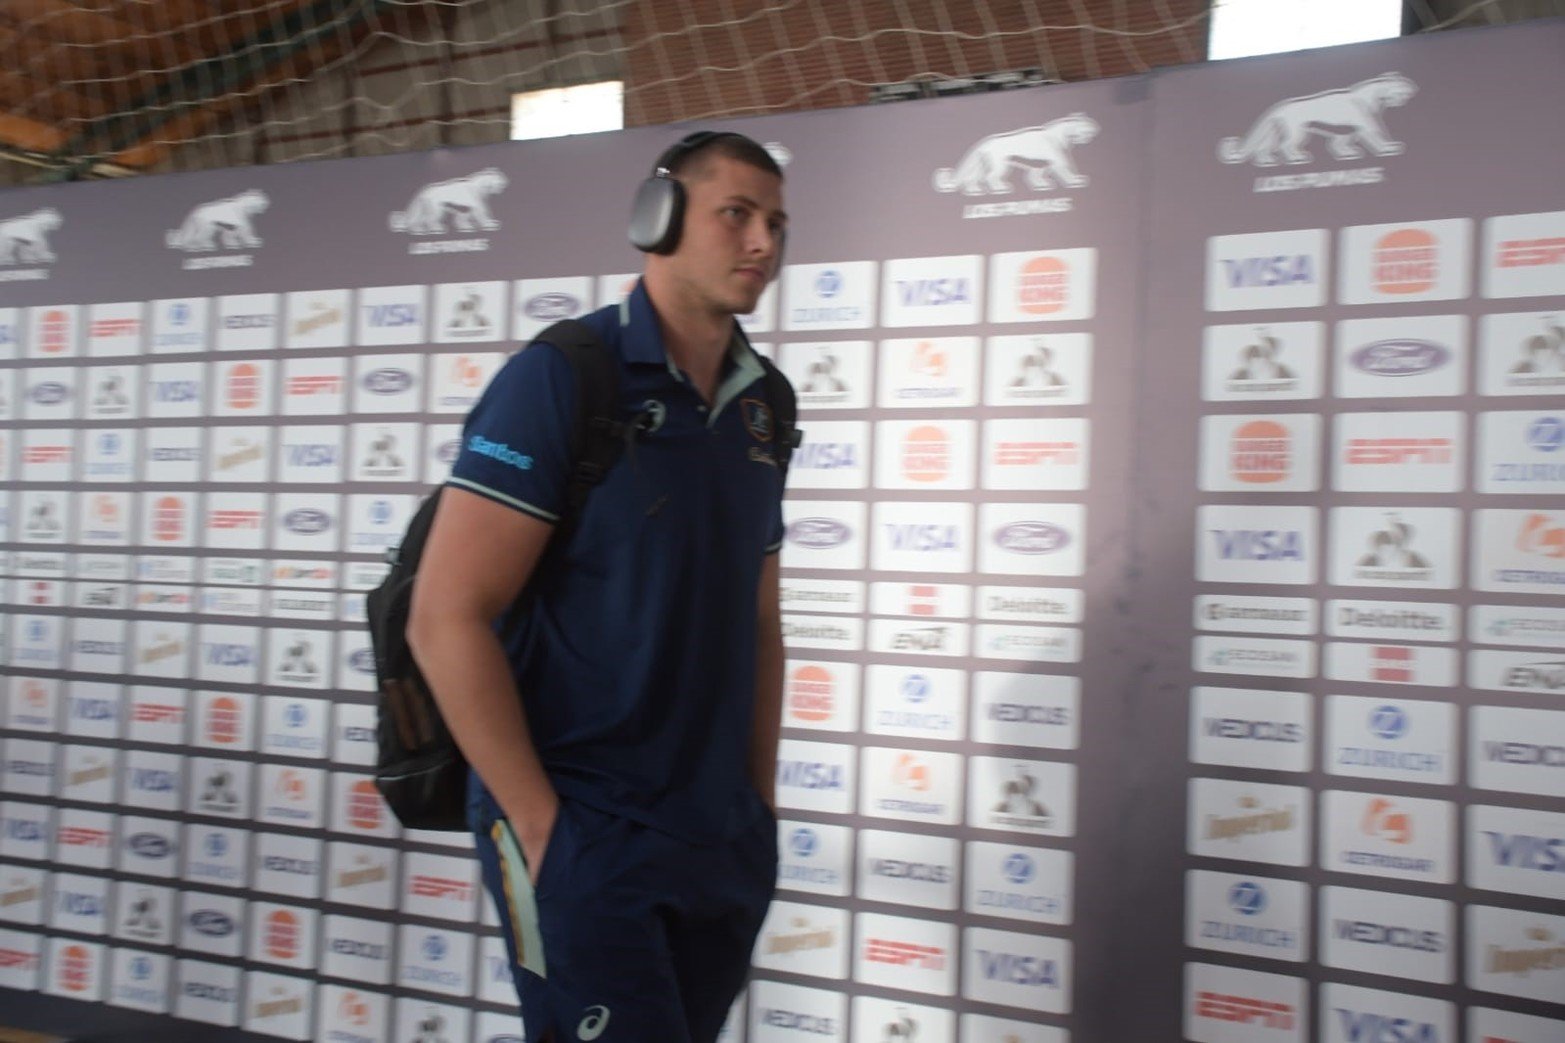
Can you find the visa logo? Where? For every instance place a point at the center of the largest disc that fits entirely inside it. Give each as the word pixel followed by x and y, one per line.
pixel 1019 970
pixel 1377 1028
pixel 810 775
pixel 382 315
pixel 826 456
pixel 24 830
pixel 154 780
pixel 312 455
pixel 922 537
pixel 1520 851
pixel 87 709
pixel 1259 544
pixel 934 293
pixel 230 655
pixel 175 391
pixel 76 904
pixel 1250 272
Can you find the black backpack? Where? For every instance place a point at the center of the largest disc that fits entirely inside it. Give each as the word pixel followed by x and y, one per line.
pixel 418 768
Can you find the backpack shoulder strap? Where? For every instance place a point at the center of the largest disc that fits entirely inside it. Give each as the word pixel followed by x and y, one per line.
pixel 785 408
pixel 599 431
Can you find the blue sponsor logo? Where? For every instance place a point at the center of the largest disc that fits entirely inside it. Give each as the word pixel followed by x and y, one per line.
pixel 154 780
pixel 140 968
pixel 1369 1027
pixel 828 283
pixel 307 521
pixel 232 655
pixel 179 314
pixel 922 538
pixel 1031 537
pixel 149 845
pixel 25 830
pixel 1019 970
pixel 212 923
pixel 826 456
pixel 810 775
pixel 1259 544
pixel 314 455
pixel 380 512
pixel 1019 868
pixel 818 533
pixel 1400 358
pixel 92 709
pixel 48 393
pixel 1286 270
pixel 448 451
pixel 435 947
pixel 916 688
pixel 1388 722
pixel 1522 851
pixel 1247 898
pixel 175 391
pixel 551 306
pixel 803 842
pixel 934 293
pixel 362 660
pixel 109 443
pixel 294 715
pixel 391 316
pixel 499 451
pixel 1546 434
pixel 75 903
pixel 387 381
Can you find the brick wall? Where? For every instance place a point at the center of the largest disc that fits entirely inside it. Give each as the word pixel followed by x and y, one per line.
pixel 697 58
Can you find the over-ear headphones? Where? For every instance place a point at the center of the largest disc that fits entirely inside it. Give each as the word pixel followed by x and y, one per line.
pixel 658 214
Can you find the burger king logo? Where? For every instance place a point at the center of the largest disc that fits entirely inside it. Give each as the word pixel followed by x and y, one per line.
pixel 1406 261
pixel 926 454
pixel 1262 452
pixel 223 721
pixel 244 386
pixel 168 519
pixel 811 693
pixel 1043 286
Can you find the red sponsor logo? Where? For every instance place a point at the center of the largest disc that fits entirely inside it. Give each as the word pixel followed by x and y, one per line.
pixel 1262 452
pixel 168 519
pixel 103 328
pixel 1043 286
pixel 235 519
pixel 905 954
pixel 353 1009
pixel 923 599
pixel 1383 821
pixel 1031 454
pixel 17 958
pixel 928 360
pixel 75 969
pixel 1372 451
pixel 1540 536
pixel 224 720
pixel 422 886
pixel 1391 663
pixel 46 454
pixel 81 836
pixel 926 454
pixel 1245 1009
pixel 106 509
pixel 157 713
pixel 303 387
pixel 1531 253
pixel 911 772
pixel 244 386
pixel 291 786
pixel 465 372
pixel 1406 261
pixel 34 695
pixel 281 935
pixel 54 332
pixel 41 592
pixel 811 693
pixel 366 809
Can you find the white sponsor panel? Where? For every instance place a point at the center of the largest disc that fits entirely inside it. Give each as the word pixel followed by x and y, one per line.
pixel 1398 547
pixel 1519 851
pixel 28 829
pixel 242 389
pixel 1399 740
pixel 1233 1005
pixel 916 702
pixel 1516 953
pixel 49 393
pixel 820 694
pixel 246 322
pixel 32 705
pixel 918 637
pixel 286 866
pixel 388 383
pixel 1518 750
pixel 1426 666
pixel 156 715
pixel 1535 626
pixel 908 869
pixel 1398 452
pixel 932 291
pixel 1019 883
pixel 815 776
pixel 139 980
pixel 153 781
pixel 115 329
pixel 823 534
pixel 351 1015
pixel 173 454
pixel 53 331
pixel 1487 1025
pixel 925 454
pixel 240 454
pixel 829 374
pixel 175 390
pixel 1421 356
pixel 1043 286
pixel 1249 822
pixel 926 373
pixel 1260 454
pixel 219 787
pixel 983 1027
pixel 1253 656
pixel 1285 269
pixel 803 939
pixel 1247 915
pixel 112 393
pixel 1274 361
pixel 822 595
pixel 442 887
pixel 44 515
pixel 834 456
pixel 98 646
pixel 782 1013
pixel 77 970
pixel 1255 615
pixel 1393 620
pixel 1379 932
pixel 317 319
pixel 391 315
pixel 1032 539
pixel 823 633
pixel 435 960
pixel 832 296
pixel 225 720
pixel 291 796
pixel 234 521
pixel 109 456
pixel 299 659
pixel 1402 838
pixel 279 1005
pixel 80 903
pixel 315 387
pixel 1520 552
pixel 149 846
pixel 1527 673
pixel 911 785
pixel 207 992
pixel 47 455
pixel 876 1018
pixel 216 856
pixel 442 442
pixel 376 522
pixel 457 381
pixel 37 642
pixel 1407 262
pixel 917 537
pixel 469 312
pixel 1522 353
pixel 542 302
pixel 1035 453
pixel 168 519
pixel 1251 728
pixel 1022 796
pixel 1524 255
pixel 84 838
pixel 30 767
pixel 814 858
pixel 307 522
pixel 899 952
pixel 87 774
pixel 762 320
pixel 361 875
pixel 1025 971
pixel 1052 369
pixel 1520 453
pixel 1029 604
pixel 23 889
pixel 353 735
pixel 179 325
pixel 1021 709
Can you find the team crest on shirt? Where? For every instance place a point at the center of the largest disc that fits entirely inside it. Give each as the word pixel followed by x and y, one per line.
pixel 757 418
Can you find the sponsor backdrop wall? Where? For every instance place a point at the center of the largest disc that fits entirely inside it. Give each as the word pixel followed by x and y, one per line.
pixel 1171 583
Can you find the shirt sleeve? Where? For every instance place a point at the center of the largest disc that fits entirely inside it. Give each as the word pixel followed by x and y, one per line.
pixel 516 441
pixel 774 531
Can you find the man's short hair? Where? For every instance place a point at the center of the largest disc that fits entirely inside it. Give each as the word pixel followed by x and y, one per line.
pixel 737 147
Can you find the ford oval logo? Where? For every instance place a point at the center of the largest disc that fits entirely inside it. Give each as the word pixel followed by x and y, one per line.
pixel 1031 537
pixel 551 306
pixel 307 521
pixel 1400 358
pixel 149 845
pixel 212 923
pixel 818 533
pixel 448 451
pixel 387 381
pixel 362 660
pixel 49 393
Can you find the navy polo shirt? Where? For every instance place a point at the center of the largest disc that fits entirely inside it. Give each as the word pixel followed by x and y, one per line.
pixel 636 662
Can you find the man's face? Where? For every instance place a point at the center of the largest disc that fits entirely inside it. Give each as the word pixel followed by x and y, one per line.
pixel 733 233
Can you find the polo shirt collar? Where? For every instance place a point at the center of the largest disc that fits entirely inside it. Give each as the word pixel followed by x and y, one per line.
pixel 641 341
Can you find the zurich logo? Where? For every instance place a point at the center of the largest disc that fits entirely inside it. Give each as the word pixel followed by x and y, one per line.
pixel 36 630
pixel 108 443
pixel 215 845
pixel 1388 722
pixel 915 688
pixel 828 283
pixel 141 968
pixel 803 842
pixel 179 313
pixel 435 948
pixel 307 521
pixel 1019 868
pixel 1246 898
pixel 295 715
pixel 380 512
pixel 1031 537
pixel 1547 434
pixel 818 533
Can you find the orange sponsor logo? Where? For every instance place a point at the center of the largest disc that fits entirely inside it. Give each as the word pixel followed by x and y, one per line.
pixel 223 720
pixel 168 519
pixel 1043 286
pixel 1262 452
pixel 811 693
pixel 244 386
pixel 926 454
pixel 1406 261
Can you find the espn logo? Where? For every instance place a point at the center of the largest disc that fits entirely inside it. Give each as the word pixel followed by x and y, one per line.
pixel 1245 1010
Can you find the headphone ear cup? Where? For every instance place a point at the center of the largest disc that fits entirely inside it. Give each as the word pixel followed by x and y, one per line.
pixel 657 216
